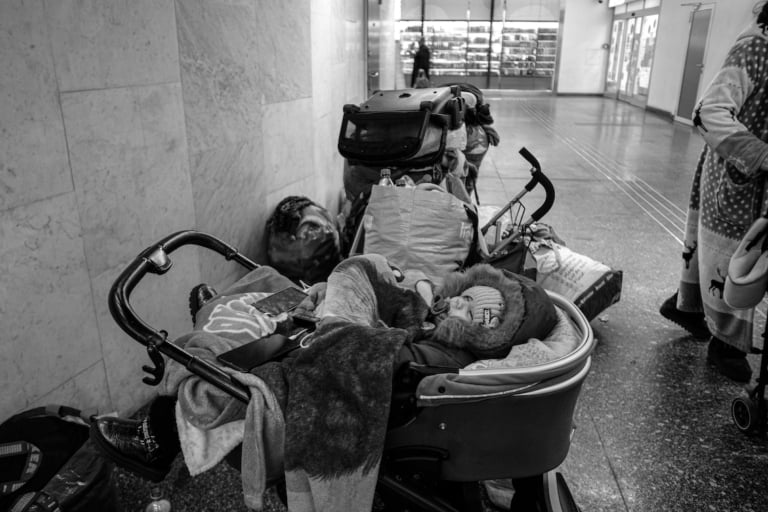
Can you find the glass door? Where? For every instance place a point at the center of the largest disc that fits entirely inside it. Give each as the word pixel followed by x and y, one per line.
pixel 487 43
pixel 614 58
pixel 629 58
pixel 527 55
pixel 645 58
pixel 694 64
pixel 450 52
pixel 373 38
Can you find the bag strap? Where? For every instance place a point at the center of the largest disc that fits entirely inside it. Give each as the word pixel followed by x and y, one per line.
pixel 38 501
pixel 32 463
pixel 431 186
pixel 60 411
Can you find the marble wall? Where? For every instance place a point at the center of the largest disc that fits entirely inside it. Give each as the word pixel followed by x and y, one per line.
pixel 123 122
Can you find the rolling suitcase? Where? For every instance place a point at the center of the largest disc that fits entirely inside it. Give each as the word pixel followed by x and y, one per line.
pixel 400 128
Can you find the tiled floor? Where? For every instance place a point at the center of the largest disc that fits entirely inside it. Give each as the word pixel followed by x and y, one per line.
pixel 654 431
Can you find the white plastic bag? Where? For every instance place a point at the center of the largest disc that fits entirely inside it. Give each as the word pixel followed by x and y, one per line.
pixel 592 286
pixel 420 228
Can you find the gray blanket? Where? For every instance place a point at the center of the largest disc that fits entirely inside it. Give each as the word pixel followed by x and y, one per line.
pixel 339 388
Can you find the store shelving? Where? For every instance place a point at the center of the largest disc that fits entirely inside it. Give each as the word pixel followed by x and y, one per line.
pixel 529 51
pixel 461 49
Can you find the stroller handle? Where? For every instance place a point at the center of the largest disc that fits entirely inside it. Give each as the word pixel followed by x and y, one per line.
pixel 154 260
pixel 538 177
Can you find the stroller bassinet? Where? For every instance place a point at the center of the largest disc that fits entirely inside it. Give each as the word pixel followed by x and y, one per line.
pixel 467 426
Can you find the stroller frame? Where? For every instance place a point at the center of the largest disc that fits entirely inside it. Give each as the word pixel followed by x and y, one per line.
pixel 749 411
pixel 441 476
pixel 519 227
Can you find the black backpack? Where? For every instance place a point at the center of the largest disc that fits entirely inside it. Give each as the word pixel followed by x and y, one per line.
pixel 48 464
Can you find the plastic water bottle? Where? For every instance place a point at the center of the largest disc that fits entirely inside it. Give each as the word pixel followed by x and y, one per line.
pixel 385 178
pixel 158 502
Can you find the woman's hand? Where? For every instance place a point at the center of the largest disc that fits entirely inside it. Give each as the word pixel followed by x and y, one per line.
pixel 492 134
pixel 764 165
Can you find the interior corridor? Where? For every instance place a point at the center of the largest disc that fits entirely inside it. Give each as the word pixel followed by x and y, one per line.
pixel 654 431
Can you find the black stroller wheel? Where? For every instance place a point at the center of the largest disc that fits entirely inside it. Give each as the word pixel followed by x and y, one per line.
pixel 408 496
pixel 744 414
pixel 543 493
pixel 564 496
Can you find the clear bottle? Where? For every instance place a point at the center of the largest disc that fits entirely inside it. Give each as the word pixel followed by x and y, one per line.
pixel 385 178
pixel 158 502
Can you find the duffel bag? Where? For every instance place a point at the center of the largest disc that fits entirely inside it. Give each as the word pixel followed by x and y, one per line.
pixel 47 463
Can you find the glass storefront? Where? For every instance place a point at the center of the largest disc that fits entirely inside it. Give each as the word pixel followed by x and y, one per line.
pixel 508 44
pixel 630 60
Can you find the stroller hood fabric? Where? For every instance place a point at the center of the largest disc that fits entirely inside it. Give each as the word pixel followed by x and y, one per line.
pixel 747 278
pixel 528 313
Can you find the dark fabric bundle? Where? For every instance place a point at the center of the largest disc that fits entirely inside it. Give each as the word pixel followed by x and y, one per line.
pixel 302 240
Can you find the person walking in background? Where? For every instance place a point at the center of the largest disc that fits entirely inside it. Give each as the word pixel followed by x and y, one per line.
pixel 421 60
pixel 727 195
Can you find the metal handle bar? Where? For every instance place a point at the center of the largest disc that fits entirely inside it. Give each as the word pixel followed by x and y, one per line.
pixel 537 177
pixel 155 260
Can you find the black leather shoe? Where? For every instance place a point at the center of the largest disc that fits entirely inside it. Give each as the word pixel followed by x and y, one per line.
pixel 198 297
pixel 729 360
pixel 131 444
pixel 694 323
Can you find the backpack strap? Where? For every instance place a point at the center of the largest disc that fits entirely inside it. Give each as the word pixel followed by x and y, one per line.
pixel 36 501
pixel 33 460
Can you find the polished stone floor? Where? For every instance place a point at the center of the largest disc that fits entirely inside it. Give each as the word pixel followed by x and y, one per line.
pixel 654 431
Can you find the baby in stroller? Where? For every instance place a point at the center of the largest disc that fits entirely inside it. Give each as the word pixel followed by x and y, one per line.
pixel 323 411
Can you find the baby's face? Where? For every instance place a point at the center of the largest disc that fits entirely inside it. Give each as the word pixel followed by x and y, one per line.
pixel 459 307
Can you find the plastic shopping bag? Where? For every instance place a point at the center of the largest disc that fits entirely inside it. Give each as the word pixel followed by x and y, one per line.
pixel 420 228
pixel 591 285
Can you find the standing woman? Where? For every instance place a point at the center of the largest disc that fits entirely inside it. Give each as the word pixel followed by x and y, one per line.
pixel 728 194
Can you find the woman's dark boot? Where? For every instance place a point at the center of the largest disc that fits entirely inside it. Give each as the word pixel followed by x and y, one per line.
pixel 146 447
pixel 729 360
pixel 694 323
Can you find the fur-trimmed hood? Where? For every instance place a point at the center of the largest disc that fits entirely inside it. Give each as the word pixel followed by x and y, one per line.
pixel 528 313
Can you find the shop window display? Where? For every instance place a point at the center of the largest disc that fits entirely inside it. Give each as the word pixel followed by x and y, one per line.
pixel 518 55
